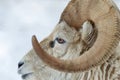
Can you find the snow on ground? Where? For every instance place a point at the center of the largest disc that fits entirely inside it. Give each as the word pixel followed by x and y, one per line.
pixel 19 20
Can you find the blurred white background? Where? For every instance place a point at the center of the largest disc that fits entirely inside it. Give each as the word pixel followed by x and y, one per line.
pixel 19 20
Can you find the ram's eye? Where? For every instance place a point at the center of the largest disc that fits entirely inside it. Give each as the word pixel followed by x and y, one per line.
pixel 60 40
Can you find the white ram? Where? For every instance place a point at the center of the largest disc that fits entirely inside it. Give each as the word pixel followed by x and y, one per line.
pixel 83 46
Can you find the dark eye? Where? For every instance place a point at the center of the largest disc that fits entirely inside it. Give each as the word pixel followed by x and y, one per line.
pixel 60 40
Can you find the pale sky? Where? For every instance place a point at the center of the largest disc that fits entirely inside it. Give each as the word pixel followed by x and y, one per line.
pixel 19 20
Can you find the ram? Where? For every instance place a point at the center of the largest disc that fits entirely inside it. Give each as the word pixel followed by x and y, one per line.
pixel 83 46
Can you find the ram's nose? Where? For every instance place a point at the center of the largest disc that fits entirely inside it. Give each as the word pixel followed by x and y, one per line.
pixel 20 64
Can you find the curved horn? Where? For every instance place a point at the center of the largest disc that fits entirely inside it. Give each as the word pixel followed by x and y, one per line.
pixel 106 18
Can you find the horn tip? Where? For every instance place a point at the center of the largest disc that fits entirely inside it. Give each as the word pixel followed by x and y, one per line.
pixel 34 40
pixel 33 37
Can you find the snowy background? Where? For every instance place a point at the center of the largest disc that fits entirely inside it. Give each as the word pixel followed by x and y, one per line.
pixel 19 20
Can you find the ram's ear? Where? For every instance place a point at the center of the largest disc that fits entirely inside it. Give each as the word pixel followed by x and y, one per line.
pixel 87 28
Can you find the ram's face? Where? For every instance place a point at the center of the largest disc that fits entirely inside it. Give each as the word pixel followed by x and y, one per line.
pixel 64 42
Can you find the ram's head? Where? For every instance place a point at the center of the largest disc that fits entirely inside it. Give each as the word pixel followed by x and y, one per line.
pixel 64 42
pixel 85 37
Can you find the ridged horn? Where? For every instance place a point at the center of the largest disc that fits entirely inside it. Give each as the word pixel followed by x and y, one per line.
pixel 106 18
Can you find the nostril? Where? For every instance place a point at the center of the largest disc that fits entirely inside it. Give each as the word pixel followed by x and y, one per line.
pixel 20 64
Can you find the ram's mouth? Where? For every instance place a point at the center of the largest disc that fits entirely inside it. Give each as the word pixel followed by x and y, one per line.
pixel 24 76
